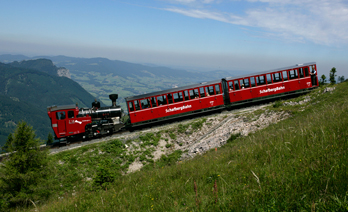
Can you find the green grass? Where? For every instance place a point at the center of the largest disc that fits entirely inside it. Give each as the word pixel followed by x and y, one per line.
pixel 299 164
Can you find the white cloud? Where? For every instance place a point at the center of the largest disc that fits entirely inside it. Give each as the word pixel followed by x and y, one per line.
pixel 319 21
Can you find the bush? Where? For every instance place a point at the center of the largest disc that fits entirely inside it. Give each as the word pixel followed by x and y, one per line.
pixel 277 104
pixel 233 137
pixel 106 174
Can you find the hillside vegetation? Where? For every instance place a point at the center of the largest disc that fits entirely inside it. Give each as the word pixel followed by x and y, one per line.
pixel 298 164
pixel 27 88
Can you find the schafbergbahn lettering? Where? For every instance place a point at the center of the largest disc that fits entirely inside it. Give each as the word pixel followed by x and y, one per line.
pixel 178 108
pixel 272 89
pixel 206 96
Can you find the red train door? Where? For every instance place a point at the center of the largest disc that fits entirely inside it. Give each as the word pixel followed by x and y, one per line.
pixel 61 120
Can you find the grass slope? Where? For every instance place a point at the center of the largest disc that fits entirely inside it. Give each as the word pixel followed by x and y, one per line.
pixel 297 164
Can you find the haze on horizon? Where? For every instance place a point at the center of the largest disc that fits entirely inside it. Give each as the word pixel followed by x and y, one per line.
pixel 193 34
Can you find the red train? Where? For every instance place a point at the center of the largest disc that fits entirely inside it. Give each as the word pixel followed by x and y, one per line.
pixel 182 101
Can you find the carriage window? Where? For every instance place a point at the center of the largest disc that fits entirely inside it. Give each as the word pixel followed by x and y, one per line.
pixel 241 83
pixel 136 104
pixel 162 100
pixel 217 88
pixel 236 85
pixel 269 80
pixel 211 90
pixel 178 97
pixel 230 85
pixel 192 94
pixel 131 107
pixel 285 76
pixel 60 115
pixel 252 81
pixel 170 98
pixel 207 91
pixel 260 80
pixel 71 114
pixel 201 89
pixel 153 101
pixel 306 71
pixel 196 93
pixel 293 74
pixel 186 95
pixel 276 77
pixel 145 103
pixel 301 72
pixel 246 83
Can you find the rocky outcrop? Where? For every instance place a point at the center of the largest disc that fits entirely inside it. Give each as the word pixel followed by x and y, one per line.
pixel 63 72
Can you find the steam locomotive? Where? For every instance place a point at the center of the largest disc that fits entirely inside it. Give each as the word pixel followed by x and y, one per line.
pixel 168 104
pixel 69 122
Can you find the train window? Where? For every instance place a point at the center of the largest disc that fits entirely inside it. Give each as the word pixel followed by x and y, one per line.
pixel 269 79
pixel 162 100
pixel 136 104
pixel 131 107
pixel 217 89
pixel 196 93
pixel 246 83
pixel 301 72
pixel 201 89
pixel 260 80
pixel 60 115
pixel 252 81
pixel 192 94
pixel 145 103
pixel 285 76
pixel 236 85
pixel 153 101
pixel 170 98
pixel 293 74
pixel 306 71
pixel 71 114
pixel 230 85
pixel 207 91
pixel 276 77
pixel 178 97
pixel 186 95
pixel 211 90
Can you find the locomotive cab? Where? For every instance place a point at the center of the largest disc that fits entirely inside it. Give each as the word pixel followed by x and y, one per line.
pixel 65 120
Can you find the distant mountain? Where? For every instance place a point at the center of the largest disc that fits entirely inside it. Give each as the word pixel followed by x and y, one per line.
pixel 25 93
pixel 101 76
pixel 8 58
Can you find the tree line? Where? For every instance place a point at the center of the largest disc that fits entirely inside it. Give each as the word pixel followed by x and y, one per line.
pixel 332 77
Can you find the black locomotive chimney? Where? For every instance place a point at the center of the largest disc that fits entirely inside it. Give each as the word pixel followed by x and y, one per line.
pixel 113 98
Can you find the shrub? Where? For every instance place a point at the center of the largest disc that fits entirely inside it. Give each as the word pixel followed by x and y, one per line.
pixel 106 174
pixel 277 104
pixel 233 137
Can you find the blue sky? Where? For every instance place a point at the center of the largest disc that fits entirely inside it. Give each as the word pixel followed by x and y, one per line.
pixel 192 34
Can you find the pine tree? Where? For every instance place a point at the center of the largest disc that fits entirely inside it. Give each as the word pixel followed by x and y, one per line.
pixel 323 79
pixel 333 76
pixel 23 172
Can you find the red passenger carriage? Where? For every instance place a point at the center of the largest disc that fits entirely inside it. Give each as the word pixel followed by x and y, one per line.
pixel 174 102
pixel 269 84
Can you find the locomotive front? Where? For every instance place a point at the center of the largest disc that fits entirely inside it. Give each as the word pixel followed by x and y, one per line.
pixel 70 122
